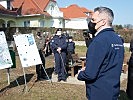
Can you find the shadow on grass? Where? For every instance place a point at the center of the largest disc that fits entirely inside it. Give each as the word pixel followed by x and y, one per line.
pixel 20 80
pixel 123 95
pixel 50 71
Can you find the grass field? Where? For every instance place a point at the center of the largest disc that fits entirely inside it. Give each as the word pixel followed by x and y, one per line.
pixel 43 90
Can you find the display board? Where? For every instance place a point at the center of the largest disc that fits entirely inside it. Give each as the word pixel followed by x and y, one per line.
pixel 5 58
pixel 27 50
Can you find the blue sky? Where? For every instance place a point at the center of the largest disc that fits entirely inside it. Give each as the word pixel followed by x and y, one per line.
pixel 122 8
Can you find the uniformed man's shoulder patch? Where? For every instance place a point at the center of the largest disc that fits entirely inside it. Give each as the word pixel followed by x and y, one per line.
pixel 66 40
pixel 52 41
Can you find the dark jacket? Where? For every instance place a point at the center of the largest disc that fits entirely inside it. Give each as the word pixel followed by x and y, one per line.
pixel 71 47
pixel 58 42
pixel 104 61
pixel 131 50
pixel 40 42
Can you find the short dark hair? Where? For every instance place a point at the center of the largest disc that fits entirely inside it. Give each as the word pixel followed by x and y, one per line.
pixel 107 11
pixel 59 29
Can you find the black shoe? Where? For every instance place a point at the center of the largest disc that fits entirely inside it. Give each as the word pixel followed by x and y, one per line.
pixel 64 80
pixel 58 80
pixel 44 78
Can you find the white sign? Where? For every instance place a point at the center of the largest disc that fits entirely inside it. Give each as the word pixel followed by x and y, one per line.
pixel 5 58
pixel 27 50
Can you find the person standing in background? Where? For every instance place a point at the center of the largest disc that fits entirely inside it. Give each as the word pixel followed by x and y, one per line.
pixel 70 49
pixel 40 42
pixel 59 48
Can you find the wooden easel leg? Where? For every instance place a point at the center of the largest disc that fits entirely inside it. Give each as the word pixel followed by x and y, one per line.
pixel 72 71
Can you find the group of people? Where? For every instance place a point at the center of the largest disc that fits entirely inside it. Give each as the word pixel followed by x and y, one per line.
pixel 61 45
pixel 104 57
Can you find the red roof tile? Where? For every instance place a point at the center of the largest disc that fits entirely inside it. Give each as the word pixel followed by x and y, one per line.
pixel 74 11
pixel 16 3
pixel 7 12
pixel 28 7
pixel 43 3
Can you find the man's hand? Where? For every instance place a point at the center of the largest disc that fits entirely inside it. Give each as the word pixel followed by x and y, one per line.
pixel 82 69
pixel 59 49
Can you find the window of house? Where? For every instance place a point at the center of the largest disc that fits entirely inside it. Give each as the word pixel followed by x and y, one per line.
pixel 8 4
pixel 8 24
pixel 26 23
pixel 42 22
pixel 52 9
pixel 3 25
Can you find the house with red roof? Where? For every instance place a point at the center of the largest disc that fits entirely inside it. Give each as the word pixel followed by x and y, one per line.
pixel 7 17
pixel 42 13
pixel 76 17
pixel 30 13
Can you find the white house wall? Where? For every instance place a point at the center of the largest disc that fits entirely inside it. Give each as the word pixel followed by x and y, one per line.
pixel 57 16
pixel 34 21
pixel 57 23
pixel 54 12
pixel 4 3
pixel 76 24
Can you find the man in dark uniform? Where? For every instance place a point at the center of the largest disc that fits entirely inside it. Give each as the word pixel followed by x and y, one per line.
pixel 70 49
pixel 130 74
pixel 40 42
pixel 104 58
pixel 66 34
pixel 59 47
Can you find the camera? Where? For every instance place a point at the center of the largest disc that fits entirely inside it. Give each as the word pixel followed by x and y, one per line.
pixel 88 37
pixel 86 33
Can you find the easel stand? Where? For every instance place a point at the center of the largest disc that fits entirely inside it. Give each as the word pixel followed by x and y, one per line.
pixel 47 74
pixel 26 87
pixel 8 77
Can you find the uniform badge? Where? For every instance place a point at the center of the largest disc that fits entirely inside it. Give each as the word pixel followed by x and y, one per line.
pixel 52 40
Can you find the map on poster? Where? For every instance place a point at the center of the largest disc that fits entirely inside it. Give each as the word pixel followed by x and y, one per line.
pixel 27 50
pixel 5 58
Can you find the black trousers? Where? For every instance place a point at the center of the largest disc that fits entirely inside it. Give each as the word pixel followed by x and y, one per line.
pixel 60 62
pixel 130 80
pixel 69 55
pixel 39 68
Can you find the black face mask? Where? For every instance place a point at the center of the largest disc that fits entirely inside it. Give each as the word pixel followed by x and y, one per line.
pixel 91 27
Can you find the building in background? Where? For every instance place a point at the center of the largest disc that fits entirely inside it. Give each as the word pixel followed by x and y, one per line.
pixel 76 17
pixel 42 13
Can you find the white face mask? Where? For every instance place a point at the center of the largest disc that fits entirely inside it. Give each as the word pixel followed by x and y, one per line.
pixel 70 40
pixel 58 33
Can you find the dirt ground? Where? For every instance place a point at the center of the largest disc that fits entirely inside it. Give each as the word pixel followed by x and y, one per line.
pixel 42 90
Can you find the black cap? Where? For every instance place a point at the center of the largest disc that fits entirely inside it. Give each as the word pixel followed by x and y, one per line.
pixel 39 33
pixel 59 29
pixel 70 37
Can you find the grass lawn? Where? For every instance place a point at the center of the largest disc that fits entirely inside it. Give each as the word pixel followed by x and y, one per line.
pixel 42 90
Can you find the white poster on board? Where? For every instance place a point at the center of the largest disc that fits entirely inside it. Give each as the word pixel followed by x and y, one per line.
pixel 5 58
pixel 27 50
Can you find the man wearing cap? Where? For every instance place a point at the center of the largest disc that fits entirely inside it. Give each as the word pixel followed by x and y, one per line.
pixel 70 49
pixel 59 47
